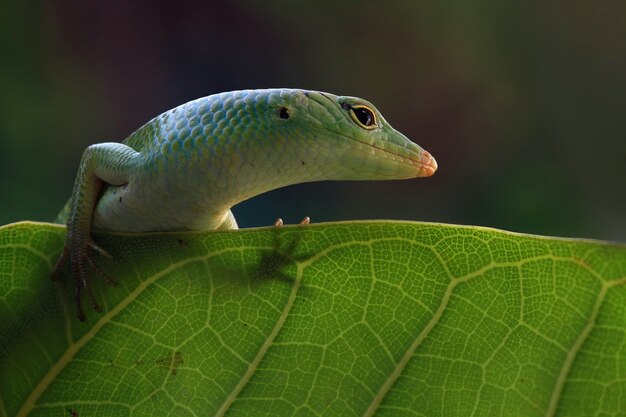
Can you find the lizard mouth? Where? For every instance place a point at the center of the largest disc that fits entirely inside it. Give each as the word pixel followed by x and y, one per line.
pixel 424 161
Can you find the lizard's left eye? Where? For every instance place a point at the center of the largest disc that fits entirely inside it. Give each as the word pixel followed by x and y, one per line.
pixel 363 116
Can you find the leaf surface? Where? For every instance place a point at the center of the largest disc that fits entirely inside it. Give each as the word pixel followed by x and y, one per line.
pixel 351 319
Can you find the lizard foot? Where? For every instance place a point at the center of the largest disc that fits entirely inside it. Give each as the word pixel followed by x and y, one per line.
pixel 78 256
pixel 279 222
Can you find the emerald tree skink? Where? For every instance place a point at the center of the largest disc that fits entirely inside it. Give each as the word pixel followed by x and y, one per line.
pixel 186 168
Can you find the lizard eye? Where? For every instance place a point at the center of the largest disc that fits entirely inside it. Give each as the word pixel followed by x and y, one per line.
pixel 363 116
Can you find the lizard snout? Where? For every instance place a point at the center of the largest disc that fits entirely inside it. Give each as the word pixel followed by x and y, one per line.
pixel 428 163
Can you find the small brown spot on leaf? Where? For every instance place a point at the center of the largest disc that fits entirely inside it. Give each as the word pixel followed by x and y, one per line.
pixel 171 362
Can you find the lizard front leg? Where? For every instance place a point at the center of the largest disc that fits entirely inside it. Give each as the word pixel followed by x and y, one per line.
pixel 103 163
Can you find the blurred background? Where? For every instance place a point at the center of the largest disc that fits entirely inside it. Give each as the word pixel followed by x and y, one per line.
pixel 522 103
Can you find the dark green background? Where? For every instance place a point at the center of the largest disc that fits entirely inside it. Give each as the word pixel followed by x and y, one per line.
pixel 522 103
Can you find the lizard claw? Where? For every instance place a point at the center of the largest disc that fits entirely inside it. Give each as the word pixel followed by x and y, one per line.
pixel 102 252
pixel 279 222
pixel 79 258
pixel 60 265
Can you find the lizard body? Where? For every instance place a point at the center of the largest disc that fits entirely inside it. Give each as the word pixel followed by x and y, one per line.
pixel 186 168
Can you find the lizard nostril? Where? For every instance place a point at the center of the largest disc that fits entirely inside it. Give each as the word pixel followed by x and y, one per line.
pixel 284 113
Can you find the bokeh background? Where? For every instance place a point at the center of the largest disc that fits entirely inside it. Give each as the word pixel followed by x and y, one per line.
pixel 522 103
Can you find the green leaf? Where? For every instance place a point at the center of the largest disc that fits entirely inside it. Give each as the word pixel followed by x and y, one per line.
pixel 359 318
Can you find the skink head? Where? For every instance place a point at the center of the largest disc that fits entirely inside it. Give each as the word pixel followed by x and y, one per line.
pixel 364 141
pixel 257 140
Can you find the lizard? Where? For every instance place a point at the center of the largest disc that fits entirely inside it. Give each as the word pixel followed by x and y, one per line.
pixel 186 168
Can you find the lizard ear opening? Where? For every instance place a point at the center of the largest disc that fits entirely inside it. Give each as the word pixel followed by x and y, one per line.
pixel 283 113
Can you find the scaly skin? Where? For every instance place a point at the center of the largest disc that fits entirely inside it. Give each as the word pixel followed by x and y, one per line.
pixel 187 167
